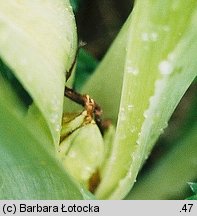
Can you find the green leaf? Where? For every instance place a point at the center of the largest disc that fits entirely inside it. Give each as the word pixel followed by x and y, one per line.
pixel 110 69
pixel 38 43
pixel 177 167
pixel 192 197
pixel 193 186
pixel 86 64
pixel 37 46
pixel 155 54
pixel 75 4
pixel 82 148
pixel 29 168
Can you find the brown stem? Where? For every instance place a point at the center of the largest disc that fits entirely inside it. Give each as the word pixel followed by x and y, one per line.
pixel 69 72
pixel 75 96
pixel 93 109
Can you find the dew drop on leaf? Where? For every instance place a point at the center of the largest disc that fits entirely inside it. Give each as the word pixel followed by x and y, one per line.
pixel 145 114
pixel 133 129
pixel 58 128
pixel 166 28
pixel 165 67
pixel 152 36
pixel 72 154
pixel 132 70
pixel 165 125
pixel 137 142
pixel 53 117
pixel 146 157
pixel 130 107
pixel 122 114
pixel 144 36
pixel 161 130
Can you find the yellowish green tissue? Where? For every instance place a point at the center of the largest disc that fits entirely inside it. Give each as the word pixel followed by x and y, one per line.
pixel 82 148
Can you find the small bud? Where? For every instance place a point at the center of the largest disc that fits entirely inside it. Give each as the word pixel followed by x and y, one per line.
pixel 82 147
pixel 72 121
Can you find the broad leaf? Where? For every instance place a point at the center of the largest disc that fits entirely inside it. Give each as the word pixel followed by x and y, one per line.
pixel 38 42
pixel 194 189
pixel 168 178
pixel 29 169
pixel 37 45
pixel 150 65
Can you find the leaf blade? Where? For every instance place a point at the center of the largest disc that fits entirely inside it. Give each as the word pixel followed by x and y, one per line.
pixel 159 50
pixel 29 168
pixel 29 37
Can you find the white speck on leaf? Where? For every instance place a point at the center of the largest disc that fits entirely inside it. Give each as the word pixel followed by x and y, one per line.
pixel 122 114
pixel 130 107
pixel 132 70
pixel 54 118
pixel 152 36
pixel 166 28
pixel 133 129
pixel 165 67
pixel 145 114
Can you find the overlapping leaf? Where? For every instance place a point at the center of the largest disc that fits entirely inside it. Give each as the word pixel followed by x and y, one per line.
pixel 37 44
pixel 155 54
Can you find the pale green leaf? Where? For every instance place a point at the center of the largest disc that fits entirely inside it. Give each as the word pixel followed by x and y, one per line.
pixel 38 42
pixel 156 55
pixel 107 79
pixel 82 148
pixel 168 178
pixel 29 168
pixel 37 46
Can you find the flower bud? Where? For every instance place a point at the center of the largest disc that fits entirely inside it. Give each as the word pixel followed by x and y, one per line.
pixel 82 147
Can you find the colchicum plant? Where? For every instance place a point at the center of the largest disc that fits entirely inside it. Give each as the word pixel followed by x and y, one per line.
pixel 65 138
